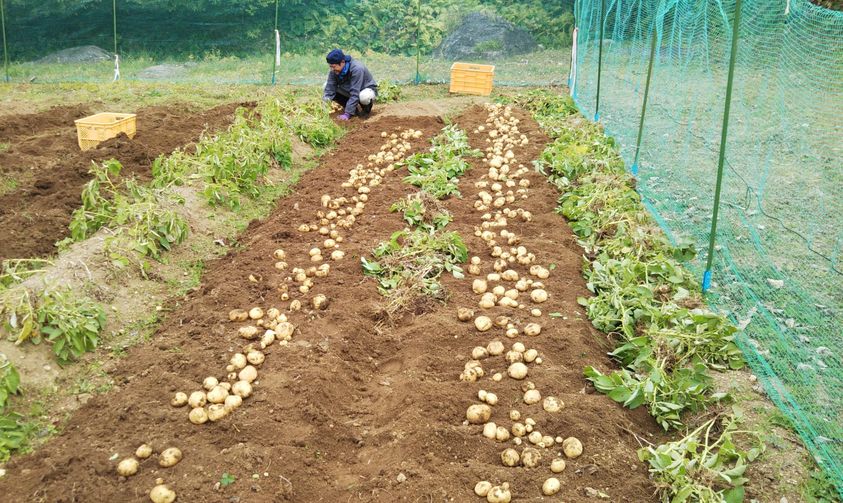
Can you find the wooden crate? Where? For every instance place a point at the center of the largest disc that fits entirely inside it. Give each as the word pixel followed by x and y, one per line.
pixel 100 127
pixel 469 78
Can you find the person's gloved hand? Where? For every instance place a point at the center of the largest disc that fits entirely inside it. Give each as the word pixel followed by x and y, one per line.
pixel 344 117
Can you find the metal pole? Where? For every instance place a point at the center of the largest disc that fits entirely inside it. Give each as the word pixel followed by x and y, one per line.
pixel 274 58
pixel 713 235
pixel 600 58
pixel 5 49
pixel 114 14
pixel 418 46
pixel 646 95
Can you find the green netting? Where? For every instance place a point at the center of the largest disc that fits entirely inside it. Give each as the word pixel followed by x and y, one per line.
pixel 234 41
pixel 777 265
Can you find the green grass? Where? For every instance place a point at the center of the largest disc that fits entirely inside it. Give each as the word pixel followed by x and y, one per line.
pixel 8 185
pixel 4 147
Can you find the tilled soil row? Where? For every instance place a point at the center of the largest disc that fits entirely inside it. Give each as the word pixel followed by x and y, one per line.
pixel 43 155
pixel 350 409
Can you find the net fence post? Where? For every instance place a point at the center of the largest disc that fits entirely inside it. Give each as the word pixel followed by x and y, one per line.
pixel 277 55
pixel 5 49
pixel 114 26
pixel 653 37
pixel 600 59
pixel 723 136
pixel 418 44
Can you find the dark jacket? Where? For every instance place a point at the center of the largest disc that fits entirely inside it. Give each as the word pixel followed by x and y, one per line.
pixel 350 83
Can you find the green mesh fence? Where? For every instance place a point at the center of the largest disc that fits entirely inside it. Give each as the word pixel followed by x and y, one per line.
pixel 777 266
pixel 234 41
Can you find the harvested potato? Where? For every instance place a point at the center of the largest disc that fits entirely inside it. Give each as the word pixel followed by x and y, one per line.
pixel 217 395
pixel 487 300
pixel 197 399
pixel 169 457
pixel 517 370
pixel 242 389
pixel 530 457
pixel 482 488
pixel 510 457
pixel 256 313
pixel 514 415
pixel 248 374
pixel 238 315
pixel 532 329
pixel 489 430
pixel 538 295
pixel 216 412
pixel 557 465
pixel 198 415
pixel 478 413
pixel 552 404
pixel 248 332
pixel 210 382
pixel 491 398
pixel 179 400
pixel 127 467
pixel 255 357
pixel 499 494
pixel 479 353
pixel 479 286
pixel 518 429
pixel 572 447
pixel 532 396
pixel 143 451
pixel 232 402
pixel 162 494
pixel 320 302
pixel 530 355
pixel 551 486
pixel 483 323
pixel 501 434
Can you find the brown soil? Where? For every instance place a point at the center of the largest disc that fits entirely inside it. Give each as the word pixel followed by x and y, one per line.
pixel 349 408
pixel 50 171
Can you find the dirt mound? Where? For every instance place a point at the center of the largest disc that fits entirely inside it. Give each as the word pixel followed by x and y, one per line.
pixel 482 36
pixel 349 411
pixel 81 54
pixel 49 169
pixel 165 71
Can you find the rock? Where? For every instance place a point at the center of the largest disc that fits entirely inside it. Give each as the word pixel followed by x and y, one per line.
pixel 482 36
pixel 401 478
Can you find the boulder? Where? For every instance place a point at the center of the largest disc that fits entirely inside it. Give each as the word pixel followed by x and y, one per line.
pixel 481 36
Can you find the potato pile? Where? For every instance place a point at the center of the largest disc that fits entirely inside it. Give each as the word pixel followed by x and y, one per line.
pixel 168 458
pixel 510 297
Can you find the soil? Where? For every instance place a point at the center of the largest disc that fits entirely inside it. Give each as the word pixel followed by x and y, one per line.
pixel 351 410
pixel 50 171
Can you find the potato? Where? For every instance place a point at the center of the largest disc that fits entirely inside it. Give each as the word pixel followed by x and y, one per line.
pixel 127 467
pixel 464 314
pixel 551 486
pixel 242 389
pixel 478 413
pixel 217 395
pixel 479 286
pixel 534 437
pixel 514 415
pixel 238 315
pixel 209 383
pixel 143 451
pixel 179 400
pixel 557 465
pixel 197 399
pixel 169 457
pixel 501 434
pixel 279 254
pixel 530 355
pixel 499 494
pixel 337 255
pixel 489 430
pixel 533 329
pixel 572 447
pixel 198 415
pixel 495 348
pixel 479 353
pixel 216 412
pixel 238 360
pixel 552 404
pixel 483 323
pixel 532 396
pixel 487 300
pixel 267 338
pixel 491 398
pixel 162 494
pixel 255 357
pixel 248 332
pixel 517 371
pixel 256 313
pixel 232 402
pixel 519 346
pixel 538 295
pixel 530 457
pixel 502 321
pixel 518 429
pixel 482 488
pixel 320 302
pixel 510 457
pixel 248 374
pixel 513 357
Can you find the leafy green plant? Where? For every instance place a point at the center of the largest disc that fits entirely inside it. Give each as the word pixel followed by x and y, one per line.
pixel 134 212
pixel 388 91
pixel 423 212
pixel 9 380
pixel 227 479
pixel 14 271
pixel 705 466
pixel 14 433
pixel 436 171
pixel 70 322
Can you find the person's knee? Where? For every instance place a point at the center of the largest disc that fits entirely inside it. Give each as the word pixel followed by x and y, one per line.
pixel 367 96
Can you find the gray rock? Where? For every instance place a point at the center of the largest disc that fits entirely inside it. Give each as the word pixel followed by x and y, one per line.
pixel 81 54
pixel 480 36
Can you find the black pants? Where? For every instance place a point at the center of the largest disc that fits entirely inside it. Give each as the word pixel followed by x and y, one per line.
pixel 342 100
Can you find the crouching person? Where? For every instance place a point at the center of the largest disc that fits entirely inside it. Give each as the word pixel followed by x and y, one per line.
pixel 350 84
